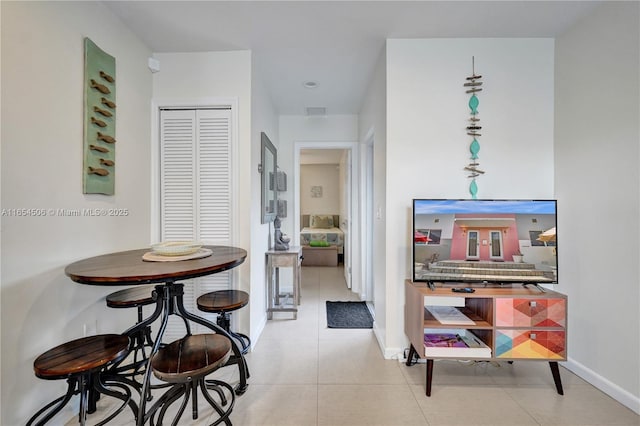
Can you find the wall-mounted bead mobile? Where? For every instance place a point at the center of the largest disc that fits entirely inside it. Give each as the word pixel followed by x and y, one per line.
pixel 472 85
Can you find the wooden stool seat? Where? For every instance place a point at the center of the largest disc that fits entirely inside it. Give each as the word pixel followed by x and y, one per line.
pixel 79 356
pixel 185 363
pixel 222 302
pixel 81 362
pixel 131 297
pixel 191 357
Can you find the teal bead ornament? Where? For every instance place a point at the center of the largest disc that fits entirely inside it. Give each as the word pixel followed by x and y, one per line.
pixel 473 104
pixel 475 149
pixel 473 189
pixel 473 85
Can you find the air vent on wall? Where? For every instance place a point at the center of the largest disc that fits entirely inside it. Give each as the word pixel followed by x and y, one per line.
pixel 322 111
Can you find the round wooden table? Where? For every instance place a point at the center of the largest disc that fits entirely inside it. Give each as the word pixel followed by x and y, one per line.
pixel 128 267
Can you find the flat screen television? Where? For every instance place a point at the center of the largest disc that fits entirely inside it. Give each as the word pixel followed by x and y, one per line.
pixel 485 241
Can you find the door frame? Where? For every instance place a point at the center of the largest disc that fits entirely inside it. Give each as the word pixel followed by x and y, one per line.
pixel 478 245
pixel 353 193
pixel 500 241
pixel 366 216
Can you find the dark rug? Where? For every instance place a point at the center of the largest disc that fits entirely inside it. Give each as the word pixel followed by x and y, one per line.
pixel 348 315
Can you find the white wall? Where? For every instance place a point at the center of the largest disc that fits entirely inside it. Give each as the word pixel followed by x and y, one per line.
pixel 597 118
pixel 326 176
pixel 203 78
pixel 42 140
pixel 294 129
pixel 263 119
pixel 427 145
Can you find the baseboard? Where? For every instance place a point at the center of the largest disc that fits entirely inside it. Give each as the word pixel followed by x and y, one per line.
pixel 255 337
pixel 387 353
pixel 624 397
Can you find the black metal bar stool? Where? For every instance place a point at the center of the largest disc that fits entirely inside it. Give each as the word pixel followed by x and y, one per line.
pixel 223 302
pixel 185 363
pixel 134 297
pixel 81 362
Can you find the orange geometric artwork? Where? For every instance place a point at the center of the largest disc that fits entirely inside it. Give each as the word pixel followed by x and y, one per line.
pixel 530 312
pixel 537 344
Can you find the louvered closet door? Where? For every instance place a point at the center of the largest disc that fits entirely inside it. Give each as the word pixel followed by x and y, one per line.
pixel 196 193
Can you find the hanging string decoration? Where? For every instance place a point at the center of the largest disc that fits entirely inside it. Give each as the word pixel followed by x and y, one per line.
pixel 472 85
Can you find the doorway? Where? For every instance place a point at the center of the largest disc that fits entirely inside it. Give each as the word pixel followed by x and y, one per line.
pixel 344 158
pixel 473 245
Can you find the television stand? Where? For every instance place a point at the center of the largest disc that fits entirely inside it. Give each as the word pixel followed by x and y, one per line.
pixel 513 324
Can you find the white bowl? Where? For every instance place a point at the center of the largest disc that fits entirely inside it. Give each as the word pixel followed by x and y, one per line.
pixel 176 248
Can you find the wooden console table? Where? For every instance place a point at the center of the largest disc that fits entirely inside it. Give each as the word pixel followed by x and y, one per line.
pixel 277 301
pixel 515 322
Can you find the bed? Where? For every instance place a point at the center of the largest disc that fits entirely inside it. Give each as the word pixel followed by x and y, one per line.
pixel 322 228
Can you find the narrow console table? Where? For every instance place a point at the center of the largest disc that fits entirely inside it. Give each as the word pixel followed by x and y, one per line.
pixel 276 300
pixel 510 322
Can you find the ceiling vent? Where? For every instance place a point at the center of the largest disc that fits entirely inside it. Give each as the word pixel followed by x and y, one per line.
pixel 316 111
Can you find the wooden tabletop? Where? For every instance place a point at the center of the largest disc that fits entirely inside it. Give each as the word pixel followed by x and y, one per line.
pixel 127 267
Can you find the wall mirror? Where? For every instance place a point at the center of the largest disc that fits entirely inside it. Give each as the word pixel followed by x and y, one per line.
pixel 268 164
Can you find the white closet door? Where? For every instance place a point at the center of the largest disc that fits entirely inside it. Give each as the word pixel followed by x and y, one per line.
pixel 196 192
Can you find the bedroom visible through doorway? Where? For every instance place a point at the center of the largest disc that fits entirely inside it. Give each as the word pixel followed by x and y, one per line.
pixel 322 198
pixel 323 207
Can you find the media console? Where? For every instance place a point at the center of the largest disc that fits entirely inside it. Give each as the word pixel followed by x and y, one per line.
pixel 509 323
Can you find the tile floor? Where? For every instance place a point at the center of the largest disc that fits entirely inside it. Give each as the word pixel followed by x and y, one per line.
pixel 303 373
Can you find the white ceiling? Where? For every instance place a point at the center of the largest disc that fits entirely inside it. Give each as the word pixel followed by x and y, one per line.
pixel 335 43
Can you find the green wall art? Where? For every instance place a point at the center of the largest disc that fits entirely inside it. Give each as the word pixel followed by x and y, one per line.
pixel 99 165
pixel 472 84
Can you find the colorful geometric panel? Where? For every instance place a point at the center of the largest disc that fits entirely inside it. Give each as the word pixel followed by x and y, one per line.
pixel 536 344
pixel 530 312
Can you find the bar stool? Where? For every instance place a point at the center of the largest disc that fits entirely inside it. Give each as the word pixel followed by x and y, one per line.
pixel 185 363
pixel 223 302
pixel 81 362
pixel 134 297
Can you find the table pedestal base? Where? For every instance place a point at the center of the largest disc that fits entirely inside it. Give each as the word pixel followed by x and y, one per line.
pixel 170 302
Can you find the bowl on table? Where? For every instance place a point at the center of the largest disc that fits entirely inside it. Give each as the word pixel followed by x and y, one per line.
pixel 176 248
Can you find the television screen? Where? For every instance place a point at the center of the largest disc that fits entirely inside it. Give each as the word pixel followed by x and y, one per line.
pixel 485 241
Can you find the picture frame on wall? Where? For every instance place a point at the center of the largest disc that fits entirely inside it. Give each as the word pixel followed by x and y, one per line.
pixel 316 191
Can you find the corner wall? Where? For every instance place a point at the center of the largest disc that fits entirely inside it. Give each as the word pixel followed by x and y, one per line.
pixel 597 181
pixel 42 142
pixel 372 129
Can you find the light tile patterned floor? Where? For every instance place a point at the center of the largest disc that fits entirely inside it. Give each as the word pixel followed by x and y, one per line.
pixel 303 373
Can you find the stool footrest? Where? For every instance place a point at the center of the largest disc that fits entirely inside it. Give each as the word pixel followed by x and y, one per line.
pixel 188 391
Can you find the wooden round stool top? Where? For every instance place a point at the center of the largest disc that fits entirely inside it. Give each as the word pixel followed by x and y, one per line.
pixel 81 356
pixel 191 357
pixel 222 301
pixel 131 297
